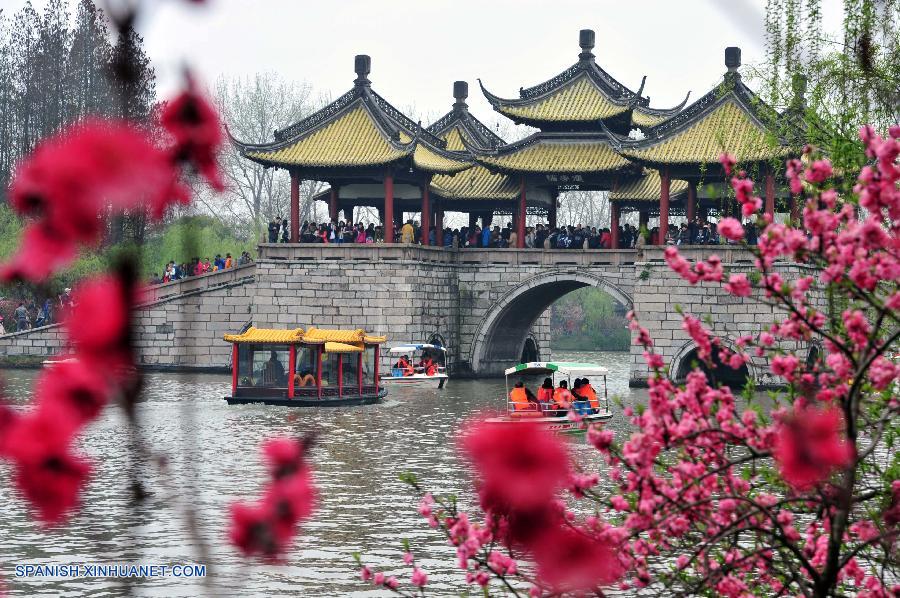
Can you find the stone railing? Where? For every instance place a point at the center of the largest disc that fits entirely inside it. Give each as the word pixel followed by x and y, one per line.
pixel 203 282
pixel 729 254
pixel 352 252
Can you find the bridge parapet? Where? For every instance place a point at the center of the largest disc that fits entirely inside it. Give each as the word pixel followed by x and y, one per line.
pixel 730 254
pixel 446 255
pixel 200 283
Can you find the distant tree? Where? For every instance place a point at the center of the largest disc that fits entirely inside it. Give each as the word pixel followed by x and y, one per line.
pixel 253 108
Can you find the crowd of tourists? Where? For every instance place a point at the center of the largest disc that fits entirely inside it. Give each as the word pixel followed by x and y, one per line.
pixel 550 401
pixel 541 236
pixel 30 314
pixel 174 271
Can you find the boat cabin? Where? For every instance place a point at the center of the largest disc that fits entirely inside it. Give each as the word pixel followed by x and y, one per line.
pixel 316 367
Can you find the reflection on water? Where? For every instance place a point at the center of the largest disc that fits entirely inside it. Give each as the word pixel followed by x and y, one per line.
pixel 213 459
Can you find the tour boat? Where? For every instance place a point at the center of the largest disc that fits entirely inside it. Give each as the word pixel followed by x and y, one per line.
pixel 416 375
pixel 312 368
pixel 556 371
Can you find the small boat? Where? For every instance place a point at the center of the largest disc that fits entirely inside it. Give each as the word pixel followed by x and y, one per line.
pixel 416 375
pixel 559 422
pixel 312 368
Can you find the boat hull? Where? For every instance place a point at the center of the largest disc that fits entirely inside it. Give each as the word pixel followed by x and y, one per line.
pixel 310 401
pixel 559 425
pixel 436 381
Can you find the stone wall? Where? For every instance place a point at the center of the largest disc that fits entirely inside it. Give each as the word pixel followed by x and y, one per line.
pixel 482 304
pixel 658 290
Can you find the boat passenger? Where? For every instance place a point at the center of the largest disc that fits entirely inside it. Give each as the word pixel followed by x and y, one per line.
pixel 545 392
pixel 427 365
pixel 406 365
pixel 590 394
pixel 562 397
pixel 521 398
pixel 304 379
pixel 580 402
pixel 273 373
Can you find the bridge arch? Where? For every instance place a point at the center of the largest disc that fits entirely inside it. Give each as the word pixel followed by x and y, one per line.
pixel 502 334
pixel 682 364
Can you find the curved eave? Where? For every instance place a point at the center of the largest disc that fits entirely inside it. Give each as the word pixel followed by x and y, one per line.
pixel 474 184
pixel 698 135
pixel 354 137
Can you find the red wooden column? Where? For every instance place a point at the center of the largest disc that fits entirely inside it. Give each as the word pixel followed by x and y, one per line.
pixel 551 213
pixel 295 207
pixel 426 214
pixel 377 360
pixel 663 206
pixel 614 225
pixel 520 216
pixel 341 374
pixel 292 367
pixel 321 348
pixel 691 207
pixel 770 192
pixel 388 222
pixel 333 205
pixel 795 210
pixel 359 376
pixel 439 226
pixel 234 368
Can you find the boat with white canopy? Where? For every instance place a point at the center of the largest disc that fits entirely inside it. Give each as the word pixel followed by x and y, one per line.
pixel 417 364
pixel 523 406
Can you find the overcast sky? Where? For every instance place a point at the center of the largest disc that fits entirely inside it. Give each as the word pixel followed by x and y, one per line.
pixel 419 47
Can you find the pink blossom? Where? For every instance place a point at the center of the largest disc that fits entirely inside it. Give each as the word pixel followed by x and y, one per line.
pixel 810 446
pixel 738 285
pixel 419 578
pixel 785 366
pixel 731 229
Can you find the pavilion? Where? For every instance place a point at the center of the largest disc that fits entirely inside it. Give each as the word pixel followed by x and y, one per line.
pixel 594 133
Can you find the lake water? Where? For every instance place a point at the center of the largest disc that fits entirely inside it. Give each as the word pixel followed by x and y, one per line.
pixel 213 458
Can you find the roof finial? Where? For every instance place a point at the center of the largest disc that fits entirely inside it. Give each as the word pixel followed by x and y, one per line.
pixel 732 58
pixel 460 93
pixel 362 64
pixel 586 41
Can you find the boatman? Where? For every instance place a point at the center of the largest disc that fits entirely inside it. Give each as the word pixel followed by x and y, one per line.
pixel 521 398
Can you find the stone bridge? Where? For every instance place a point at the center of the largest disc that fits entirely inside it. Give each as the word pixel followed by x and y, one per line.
pixel 489 306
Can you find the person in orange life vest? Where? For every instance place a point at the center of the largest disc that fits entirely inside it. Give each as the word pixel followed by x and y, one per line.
pixel 545 393
pixel 521 398
pixel 405 365
pixel 579 399
pixel 427 365
pixel 562 398
pixel 588 392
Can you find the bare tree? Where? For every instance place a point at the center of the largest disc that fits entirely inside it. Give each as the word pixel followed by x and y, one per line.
pixel 253 108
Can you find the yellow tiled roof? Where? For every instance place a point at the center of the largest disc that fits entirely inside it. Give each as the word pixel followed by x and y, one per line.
pixel 431 161
pixel 643 119
pixel 559 156
pixel 475 183
pixel 578 100
pixel 726 128
pixel 267 335
pixel 336 336
pixel 374 339
pixel 454 140
pixel 331 347
pixel 428 160
pixel 646 188
pixel 353 139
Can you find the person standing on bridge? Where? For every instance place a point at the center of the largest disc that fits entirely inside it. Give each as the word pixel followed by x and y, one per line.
pixel 407 233
pixel 273 231
pixel 21 317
